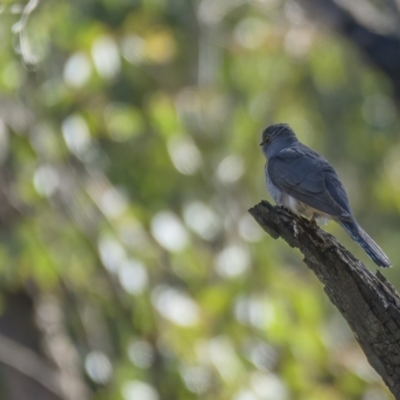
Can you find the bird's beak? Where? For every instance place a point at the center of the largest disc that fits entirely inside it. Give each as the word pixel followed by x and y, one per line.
pixel 261 143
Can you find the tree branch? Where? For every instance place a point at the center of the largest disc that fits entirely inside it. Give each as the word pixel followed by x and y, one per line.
pixel 369 303
pixel 28 363
pixel 382 50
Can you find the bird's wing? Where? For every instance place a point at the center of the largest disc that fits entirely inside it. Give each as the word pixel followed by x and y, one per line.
pixel 309 179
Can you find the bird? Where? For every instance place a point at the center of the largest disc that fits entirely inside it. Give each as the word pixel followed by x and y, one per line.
pixel 301 180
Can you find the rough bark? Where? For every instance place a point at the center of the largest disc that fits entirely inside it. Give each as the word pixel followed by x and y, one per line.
pixel 368 302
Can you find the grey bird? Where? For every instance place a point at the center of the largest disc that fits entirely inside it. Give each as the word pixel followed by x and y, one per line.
pixel 301 180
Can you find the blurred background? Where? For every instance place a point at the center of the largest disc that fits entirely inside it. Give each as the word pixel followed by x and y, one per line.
pixel 129 131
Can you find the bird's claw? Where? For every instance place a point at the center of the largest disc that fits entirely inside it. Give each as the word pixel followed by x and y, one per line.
pixel 313 223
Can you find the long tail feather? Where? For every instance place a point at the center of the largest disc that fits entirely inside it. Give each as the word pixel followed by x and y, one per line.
pixel 361 237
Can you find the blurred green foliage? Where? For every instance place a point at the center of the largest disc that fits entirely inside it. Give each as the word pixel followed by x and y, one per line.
pixel 129 145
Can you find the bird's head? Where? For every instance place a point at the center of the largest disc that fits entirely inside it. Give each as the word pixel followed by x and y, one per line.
pixel 277 137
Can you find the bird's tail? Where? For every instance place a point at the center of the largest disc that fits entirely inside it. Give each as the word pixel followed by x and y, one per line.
pixel 361 237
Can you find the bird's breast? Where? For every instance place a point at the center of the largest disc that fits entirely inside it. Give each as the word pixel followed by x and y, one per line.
pixel 280 197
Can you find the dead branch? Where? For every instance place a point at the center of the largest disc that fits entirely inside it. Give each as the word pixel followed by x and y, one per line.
pixel 368 302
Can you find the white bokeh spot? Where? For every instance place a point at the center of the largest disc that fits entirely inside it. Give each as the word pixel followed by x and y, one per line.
pixel 184 154
pixel 201 219
pixel 133 276
pixel 77 70
pixel 112 253
pixel 46 180
pixel 230 169
pixel 138 390
pixel 232 261
pixel 106 57
pixel 169 231
pixel 176 306
pixel 98 366
pixel 76 134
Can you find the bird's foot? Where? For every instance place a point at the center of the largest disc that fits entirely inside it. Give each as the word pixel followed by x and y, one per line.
pixel 313 222
pixel 285 209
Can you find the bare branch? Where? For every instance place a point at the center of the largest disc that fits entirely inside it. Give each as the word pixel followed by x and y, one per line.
pixel 369 303
pixel 28 363
pixel 382 50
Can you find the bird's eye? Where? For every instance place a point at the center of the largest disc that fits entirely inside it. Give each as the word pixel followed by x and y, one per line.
pixel 267 140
